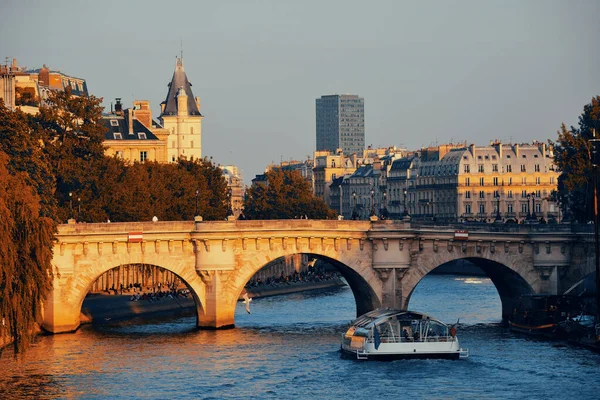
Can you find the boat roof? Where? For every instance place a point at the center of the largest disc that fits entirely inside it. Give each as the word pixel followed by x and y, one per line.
pixel 375 317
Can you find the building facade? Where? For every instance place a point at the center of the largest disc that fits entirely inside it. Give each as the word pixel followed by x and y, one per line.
pixel 181 117
pixel 459 183
pixel 340 123
pixel 133 136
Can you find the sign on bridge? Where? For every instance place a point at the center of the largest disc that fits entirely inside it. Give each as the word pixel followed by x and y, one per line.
pixel 461 235
pixel 135 237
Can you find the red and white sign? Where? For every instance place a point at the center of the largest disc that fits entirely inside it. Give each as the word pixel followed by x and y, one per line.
pixel 461 235
pixel 135 237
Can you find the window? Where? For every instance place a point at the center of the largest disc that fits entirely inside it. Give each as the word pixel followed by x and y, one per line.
pixel 509 194
pixel 481 194
pixel 481 208
pixel 480 167
pixel 552 180
pixel 537 180
pixel 509 181
pixel 118 136
pixel 509 168
pixel 481 182
pixel 523 168
pixel 495 181
pixel 523 207
pixel 496 194
pixel 173 158
pixel 191 130
pixel 494 167
pixel 493 157
pixel 524 156
pixel 523 193
pixel 524 180
pixel 119 154
pixel 508 156
pixel 467 208
pixel 467 181
pixel 467 168
pixel 538 194
pixel 468 195
pixel 509 207
pixel 114 122
pixel 538 208
pixel 141 136
pixel 143 156
pixel 537 168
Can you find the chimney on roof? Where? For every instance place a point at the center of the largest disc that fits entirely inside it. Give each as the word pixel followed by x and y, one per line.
pixel 118 106
pixel 130 120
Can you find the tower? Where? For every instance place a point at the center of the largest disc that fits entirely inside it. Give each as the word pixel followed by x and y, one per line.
pixel 340 123
pixel 180 115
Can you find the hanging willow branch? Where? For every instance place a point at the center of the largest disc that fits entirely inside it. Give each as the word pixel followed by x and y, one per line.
pixel 25 257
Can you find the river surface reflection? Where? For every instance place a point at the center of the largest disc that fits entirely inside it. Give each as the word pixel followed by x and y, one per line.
pixel 289 348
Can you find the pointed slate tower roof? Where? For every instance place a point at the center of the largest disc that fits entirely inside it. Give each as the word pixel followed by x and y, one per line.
pixel 178 81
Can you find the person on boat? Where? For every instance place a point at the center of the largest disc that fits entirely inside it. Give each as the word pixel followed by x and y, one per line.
pixel 453 331
pixel 405 333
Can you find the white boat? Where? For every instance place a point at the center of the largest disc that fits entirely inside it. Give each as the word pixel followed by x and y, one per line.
pixel 385 334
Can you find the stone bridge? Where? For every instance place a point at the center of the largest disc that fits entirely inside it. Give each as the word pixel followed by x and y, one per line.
pixel 382 261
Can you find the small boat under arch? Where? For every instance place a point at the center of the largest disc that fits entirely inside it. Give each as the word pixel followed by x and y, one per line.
pixel 387 334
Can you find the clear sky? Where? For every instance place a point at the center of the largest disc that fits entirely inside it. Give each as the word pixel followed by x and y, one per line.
pixel 429 71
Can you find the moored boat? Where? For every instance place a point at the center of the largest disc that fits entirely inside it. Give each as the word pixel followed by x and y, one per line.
pixel 541 314
pixel 387 334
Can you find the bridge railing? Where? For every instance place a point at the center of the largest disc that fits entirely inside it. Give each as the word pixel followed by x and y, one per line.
pixel 512 228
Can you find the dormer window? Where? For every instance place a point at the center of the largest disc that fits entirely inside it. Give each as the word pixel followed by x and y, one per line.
pixel 114 122
pixel 118 136
pixel 141 136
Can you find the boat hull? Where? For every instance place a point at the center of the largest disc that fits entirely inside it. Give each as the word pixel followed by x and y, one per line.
pixel 398 356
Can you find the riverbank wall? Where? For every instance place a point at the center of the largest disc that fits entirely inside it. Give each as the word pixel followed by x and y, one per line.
pixel 104 307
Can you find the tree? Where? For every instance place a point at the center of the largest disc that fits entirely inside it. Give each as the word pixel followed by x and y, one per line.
pixel 572 156
pixel 26 154
pixel 72 132
pixel 25 256
pixel 286 195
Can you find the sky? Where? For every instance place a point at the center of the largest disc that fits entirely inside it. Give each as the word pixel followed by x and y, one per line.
pixel 431 72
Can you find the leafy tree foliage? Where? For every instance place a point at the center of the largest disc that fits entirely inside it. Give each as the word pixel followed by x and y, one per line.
pixel 572 155
pixel 286 196
pixel 72 133
pixel 58 152
pixel 25 256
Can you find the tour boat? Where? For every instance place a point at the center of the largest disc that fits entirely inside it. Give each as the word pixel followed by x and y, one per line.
pixel 386 334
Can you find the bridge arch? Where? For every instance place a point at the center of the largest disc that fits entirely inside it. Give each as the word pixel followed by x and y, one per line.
pixel 73 289
pixel 510 279
pixel 363 287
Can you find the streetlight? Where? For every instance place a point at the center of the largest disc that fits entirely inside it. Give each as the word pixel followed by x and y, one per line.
pixel 384 214
pixel 196 212
pixel 372 202
pixel 533 217
pixel 498 217
pixel 78 208
pixel 71 204
pixel 354 213
pixel 528 211
pixel 405 212
pixel 595 162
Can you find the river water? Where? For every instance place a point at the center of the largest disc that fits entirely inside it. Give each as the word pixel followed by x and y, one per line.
pixel 289 348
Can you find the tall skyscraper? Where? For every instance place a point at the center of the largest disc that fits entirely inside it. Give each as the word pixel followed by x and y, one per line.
pixel 341 123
